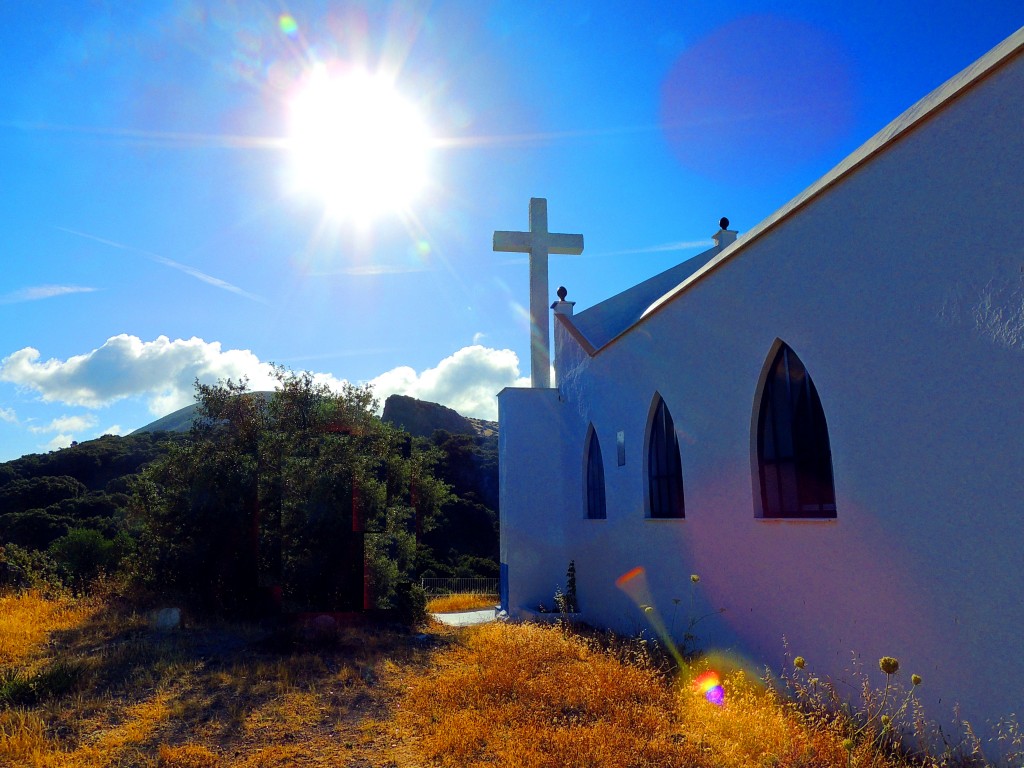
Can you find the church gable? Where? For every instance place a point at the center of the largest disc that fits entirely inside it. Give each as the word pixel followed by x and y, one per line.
pixel 608 320
pixel 602 322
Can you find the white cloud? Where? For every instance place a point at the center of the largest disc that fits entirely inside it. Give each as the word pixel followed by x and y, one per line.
pixel 67 424
pixel 42 292
pixel 60 441
pixel 466 381
pixel 682 245
pixel 125 366
pixel 163 371
pixel 8 415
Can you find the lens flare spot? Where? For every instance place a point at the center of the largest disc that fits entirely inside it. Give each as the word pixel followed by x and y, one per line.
pixel 780 94
pixel 705 681
pixel 628 576
pixel 520 312
pixel 287 24
pixel 710 685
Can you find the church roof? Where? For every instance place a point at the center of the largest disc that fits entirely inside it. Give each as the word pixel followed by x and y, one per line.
pixel 604 322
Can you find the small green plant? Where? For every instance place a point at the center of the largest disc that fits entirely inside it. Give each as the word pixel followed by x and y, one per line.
pixel 565 600
pixel 690 640
pixel 22 568
pixel 571 605
pixel 885 721
pixel 82 554
pixel 20 689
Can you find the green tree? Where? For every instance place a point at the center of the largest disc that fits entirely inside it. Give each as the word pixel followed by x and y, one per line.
pixel 195 512
pixel 305 491
pixel 22 494
pixel 83 553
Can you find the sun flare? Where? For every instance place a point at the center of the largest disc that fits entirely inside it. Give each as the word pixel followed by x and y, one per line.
pixel 357 144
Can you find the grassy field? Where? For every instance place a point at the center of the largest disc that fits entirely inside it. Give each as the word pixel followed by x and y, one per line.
pixel 98 687
pixel 89 683
pixel 457 603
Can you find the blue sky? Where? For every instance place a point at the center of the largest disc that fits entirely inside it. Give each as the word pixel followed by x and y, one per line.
pixel 152 232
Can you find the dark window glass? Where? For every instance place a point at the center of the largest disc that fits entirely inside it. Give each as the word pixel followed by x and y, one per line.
pixel 664 470
pixel 793 454
pixel 596 509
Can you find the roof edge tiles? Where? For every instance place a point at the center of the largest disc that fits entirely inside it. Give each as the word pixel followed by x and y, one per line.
pixel 885 138
pixel 622 306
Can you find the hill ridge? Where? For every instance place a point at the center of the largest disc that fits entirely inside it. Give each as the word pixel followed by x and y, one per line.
pixel 418 417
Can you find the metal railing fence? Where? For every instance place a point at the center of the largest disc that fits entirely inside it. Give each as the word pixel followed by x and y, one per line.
pixel 460 586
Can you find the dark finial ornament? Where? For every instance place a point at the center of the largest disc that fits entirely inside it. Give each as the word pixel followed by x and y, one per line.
pixel 723 223
pixel 562 293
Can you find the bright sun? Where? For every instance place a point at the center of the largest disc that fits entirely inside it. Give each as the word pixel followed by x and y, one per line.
pixel 357 145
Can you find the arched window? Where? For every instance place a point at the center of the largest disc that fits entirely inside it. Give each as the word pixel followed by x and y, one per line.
pixel 596 509
pixel 793 454
pixel 664 469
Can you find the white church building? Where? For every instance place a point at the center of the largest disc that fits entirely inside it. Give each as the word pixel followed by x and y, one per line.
pixel 823 417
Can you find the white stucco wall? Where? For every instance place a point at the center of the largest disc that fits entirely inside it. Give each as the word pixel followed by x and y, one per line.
pixel 532 494
pixel 902 291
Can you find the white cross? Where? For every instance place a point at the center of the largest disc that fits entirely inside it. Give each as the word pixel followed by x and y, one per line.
pixel 538 242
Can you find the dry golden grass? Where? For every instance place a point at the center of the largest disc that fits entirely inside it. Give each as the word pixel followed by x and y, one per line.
pixel 531 696
pixel 187 756
pixel 231 696
pixel 523 696
pixel 458 603
pixel 27 619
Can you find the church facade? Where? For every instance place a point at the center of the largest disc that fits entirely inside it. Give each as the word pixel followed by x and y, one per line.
pixel 822 418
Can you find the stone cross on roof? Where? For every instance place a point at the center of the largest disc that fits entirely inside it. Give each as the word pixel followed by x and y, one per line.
pixel 538 242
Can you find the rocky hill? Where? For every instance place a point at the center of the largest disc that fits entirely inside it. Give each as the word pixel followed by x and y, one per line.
pixel 181 419
pixel 417 417
pixel 420 418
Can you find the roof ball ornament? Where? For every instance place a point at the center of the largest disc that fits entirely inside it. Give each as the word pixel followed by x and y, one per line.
pixel 723 223
pixel 562 293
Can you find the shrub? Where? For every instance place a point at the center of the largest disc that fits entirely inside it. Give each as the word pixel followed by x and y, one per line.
pixel 408 603
pixel 82 553
pixel 22 568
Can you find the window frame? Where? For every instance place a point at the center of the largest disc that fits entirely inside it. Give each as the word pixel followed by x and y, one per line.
pixel 663 464
pixel 592 503
pixel 793 473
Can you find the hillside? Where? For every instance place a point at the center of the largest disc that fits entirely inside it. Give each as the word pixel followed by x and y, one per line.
pixel 45 498
pixel 420 418
pixel 181 420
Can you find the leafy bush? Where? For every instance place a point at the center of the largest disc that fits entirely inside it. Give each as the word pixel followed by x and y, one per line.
pixel 408 603
pixel 281 493
pixel 20 494
pixel 22 568
pixel 33 528
pixel 82 553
